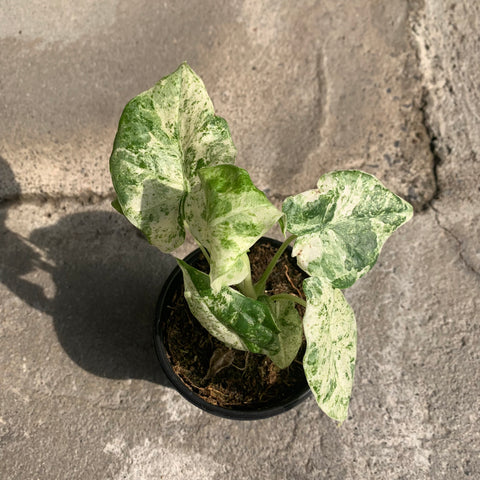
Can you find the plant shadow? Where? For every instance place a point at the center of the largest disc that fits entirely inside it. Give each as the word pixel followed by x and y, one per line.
pixel 107 279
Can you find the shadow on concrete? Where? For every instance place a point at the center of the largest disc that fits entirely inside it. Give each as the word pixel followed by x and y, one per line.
pixel 17 257
pixel 107 279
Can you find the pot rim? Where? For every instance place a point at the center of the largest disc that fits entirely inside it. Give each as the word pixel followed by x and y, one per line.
pixel 235 412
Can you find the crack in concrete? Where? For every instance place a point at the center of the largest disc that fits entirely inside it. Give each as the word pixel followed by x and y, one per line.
pixel 437 159
pixel 41 198
pixel 417 8
pixel 457 240
pixel 430 82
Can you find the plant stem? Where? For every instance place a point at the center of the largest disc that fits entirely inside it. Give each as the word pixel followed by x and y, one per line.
pixel 204 251
pixel 261 284
pixel 202 248
pixel 246 286
pixel 290 297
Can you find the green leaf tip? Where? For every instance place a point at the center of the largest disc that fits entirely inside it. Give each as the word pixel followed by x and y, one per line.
pixel 343 224
pixel 116 205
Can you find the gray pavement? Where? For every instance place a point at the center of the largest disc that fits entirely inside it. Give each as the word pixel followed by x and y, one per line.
pixel 307 87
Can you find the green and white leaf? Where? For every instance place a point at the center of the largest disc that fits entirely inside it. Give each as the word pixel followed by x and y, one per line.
pixel 227 214
pixel 343 224
pixel 331 336
pixel 164 137
pixel 289 323
pixel 238 321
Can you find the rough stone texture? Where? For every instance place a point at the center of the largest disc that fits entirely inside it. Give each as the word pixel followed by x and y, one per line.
pixel 448 45
pixel 306 87
pixel 447 35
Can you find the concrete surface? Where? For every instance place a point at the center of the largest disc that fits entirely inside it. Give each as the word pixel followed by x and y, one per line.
pixel 306 87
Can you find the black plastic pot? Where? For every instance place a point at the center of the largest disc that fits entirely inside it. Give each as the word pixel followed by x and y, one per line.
pixel 173 284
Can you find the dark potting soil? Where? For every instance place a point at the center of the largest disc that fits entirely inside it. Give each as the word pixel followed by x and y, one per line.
pixel 228 377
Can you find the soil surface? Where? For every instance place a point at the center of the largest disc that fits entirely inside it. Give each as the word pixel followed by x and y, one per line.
pixel 228 377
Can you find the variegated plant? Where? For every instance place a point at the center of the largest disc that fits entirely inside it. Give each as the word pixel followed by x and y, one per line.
pixel 173 170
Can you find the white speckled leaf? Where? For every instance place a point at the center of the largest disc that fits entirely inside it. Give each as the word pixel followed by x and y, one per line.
pixel 227 214
pixel 289 323
pixel 238 321
pixel 331 335
pixel 343 224
pixel 164 137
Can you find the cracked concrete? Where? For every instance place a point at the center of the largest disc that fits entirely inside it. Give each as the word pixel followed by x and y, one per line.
pixel 306 88
pixel 446 32
pixel 461 249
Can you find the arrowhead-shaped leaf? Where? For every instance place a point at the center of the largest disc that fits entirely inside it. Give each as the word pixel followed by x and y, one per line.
pixel 331 335
pixel 343 224
pixel 164 137
pixel 238 321
pixel 227 214
pixel 289 323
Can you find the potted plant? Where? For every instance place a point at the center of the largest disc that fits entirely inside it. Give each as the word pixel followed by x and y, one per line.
pixel 173 171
